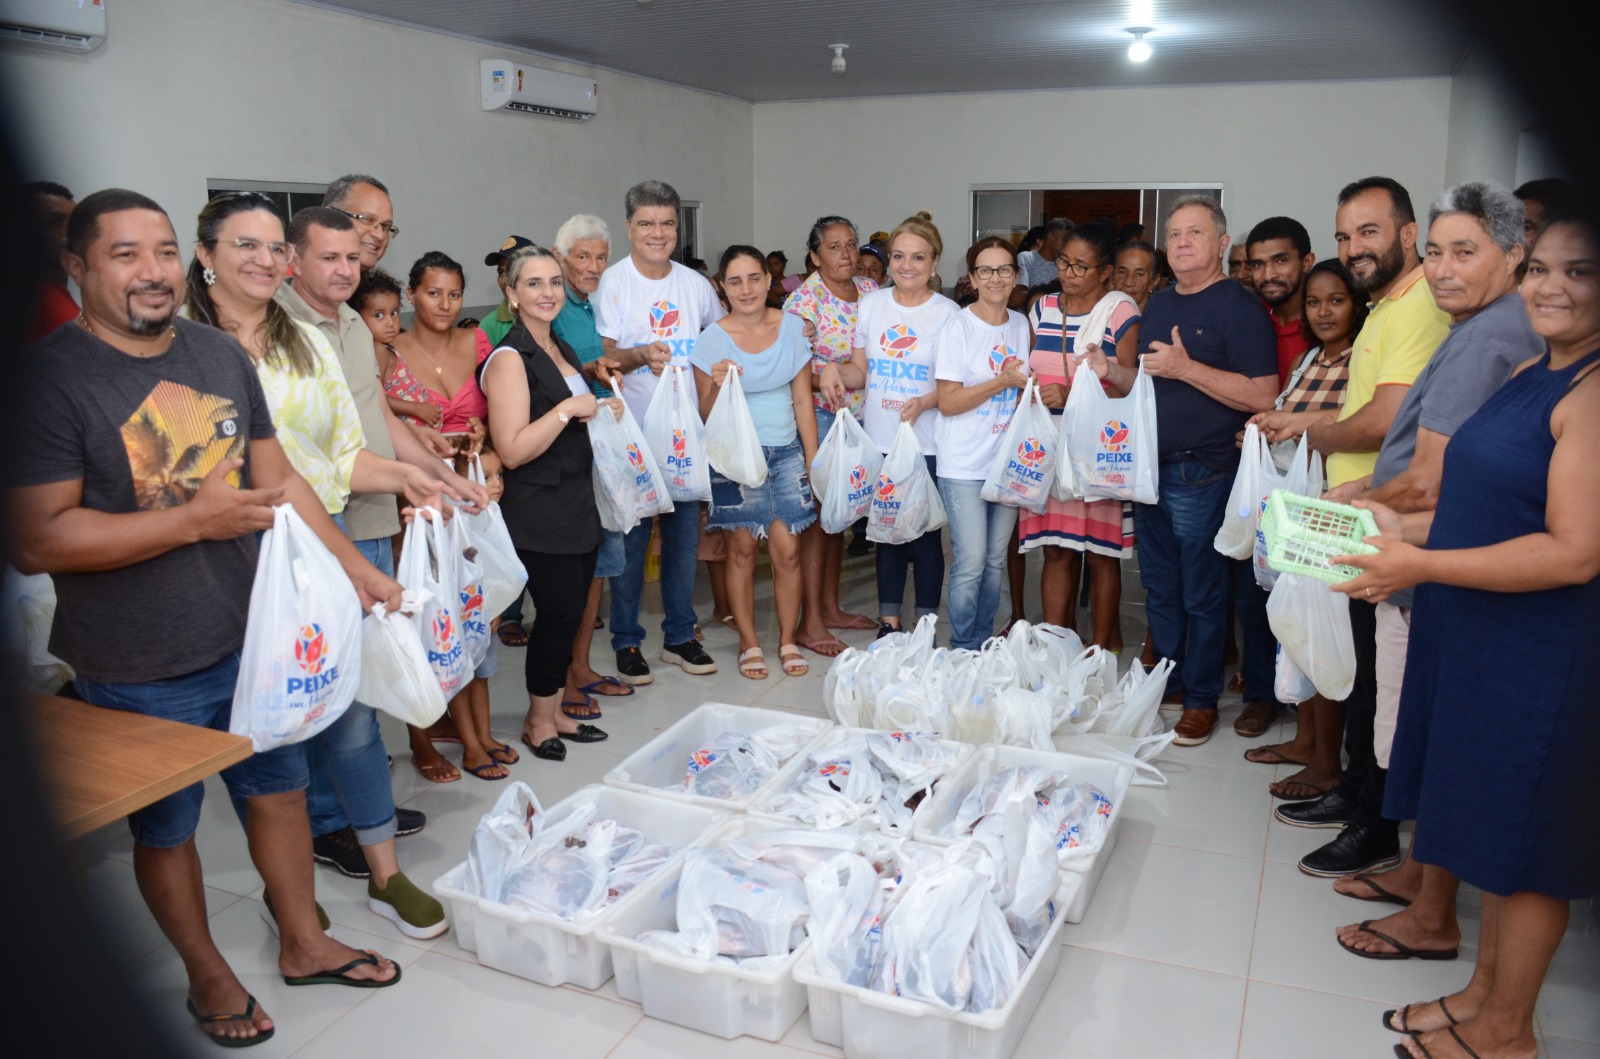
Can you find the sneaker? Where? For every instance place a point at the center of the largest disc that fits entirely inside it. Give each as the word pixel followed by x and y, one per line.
pixel 341 850
pixel 1195 727
pixel 408 822
pixel 417 914
pixel 632 667
pixel 1354 850
pixel 270 918
pixel 689 656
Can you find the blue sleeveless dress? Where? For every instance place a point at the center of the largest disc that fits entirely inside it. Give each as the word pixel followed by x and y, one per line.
pixel 1499 729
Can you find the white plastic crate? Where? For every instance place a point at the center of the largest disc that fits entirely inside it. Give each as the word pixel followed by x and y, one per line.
pixel 936 813
pixel 718 999
pixel 761 806
pixel 556 951
pixel 658 767
pixel 867 1024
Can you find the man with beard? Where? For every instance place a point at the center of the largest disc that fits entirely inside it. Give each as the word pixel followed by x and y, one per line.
pixel 145 463
pixel 1278 251
pixel 1376 230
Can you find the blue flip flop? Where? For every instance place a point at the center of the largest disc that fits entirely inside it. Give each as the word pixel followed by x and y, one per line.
pixel 594 689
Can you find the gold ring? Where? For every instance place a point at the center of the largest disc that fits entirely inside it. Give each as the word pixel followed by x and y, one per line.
pixel 1369 593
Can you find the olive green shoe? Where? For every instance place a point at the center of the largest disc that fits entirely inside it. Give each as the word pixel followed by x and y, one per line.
pixel 270 918
pixel 416 913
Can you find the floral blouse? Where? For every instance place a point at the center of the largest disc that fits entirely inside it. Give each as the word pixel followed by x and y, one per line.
pixel 316 419
pixel 454 411
pixel 835 321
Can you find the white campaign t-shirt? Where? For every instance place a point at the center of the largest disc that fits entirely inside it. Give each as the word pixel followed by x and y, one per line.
pixel 972 352
pixel 901 345
pixel 634 311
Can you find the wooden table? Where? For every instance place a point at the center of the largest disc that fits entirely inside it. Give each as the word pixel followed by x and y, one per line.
pixel 100 765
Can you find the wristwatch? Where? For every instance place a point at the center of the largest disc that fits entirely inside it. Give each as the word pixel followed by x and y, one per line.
pixel 564 417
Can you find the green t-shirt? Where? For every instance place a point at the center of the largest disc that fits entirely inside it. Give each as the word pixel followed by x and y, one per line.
pixel 498 325
pixel 576 327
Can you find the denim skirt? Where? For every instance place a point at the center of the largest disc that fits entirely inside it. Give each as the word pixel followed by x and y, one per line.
pixel 784 497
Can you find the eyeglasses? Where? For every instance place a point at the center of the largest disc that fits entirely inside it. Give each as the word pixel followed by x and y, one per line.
pixel 370 221
pixel 990 271
pixel 1063 265
pixel 250 249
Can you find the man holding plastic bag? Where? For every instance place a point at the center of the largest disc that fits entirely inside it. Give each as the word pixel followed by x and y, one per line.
pixel 146 464
pixel 1211 352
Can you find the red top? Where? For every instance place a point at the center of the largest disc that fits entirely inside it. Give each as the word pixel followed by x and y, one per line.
pixel 55 307
pixel 454 411
pixel 1292 345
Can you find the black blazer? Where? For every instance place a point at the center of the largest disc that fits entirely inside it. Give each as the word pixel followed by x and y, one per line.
pixel 549 501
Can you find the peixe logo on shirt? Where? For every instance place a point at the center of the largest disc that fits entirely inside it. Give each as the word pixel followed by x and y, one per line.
pixel 664 318
pixel 898 341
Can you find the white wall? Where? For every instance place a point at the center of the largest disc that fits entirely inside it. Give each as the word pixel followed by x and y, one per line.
pixel 184 90
pixel 1276 148
pixel 1486 123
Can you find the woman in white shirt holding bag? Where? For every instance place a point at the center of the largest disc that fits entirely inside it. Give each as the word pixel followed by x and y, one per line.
pixel 768 348
pixel 979 370
pixel 893 359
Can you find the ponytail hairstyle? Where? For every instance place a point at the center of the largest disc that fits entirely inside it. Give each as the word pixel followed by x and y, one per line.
pixel 279 335
pixel 920 225
pixel 736 251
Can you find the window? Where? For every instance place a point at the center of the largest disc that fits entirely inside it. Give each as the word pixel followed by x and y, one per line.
pixel 688 232
pixel 1010 211
pixel 290 196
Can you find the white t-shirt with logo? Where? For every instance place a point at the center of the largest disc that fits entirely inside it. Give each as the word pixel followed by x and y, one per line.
pixel 972 352
pixel 901 345
pixel 632 310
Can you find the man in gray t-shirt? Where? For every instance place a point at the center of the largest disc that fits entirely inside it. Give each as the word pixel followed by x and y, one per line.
pixel 1474 250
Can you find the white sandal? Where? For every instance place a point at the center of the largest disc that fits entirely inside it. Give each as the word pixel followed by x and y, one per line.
pixel 750 662
pixel 794 663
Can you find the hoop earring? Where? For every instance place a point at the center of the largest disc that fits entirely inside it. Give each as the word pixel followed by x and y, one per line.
pixel 209 274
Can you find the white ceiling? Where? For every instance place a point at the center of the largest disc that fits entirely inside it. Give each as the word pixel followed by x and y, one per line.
pixel 765 50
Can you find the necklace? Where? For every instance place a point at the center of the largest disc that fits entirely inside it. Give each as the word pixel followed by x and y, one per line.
pixel 83 322
pixel 438 369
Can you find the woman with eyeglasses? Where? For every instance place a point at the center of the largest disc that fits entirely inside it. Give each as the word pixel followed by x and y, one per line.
pixel 827 301
pixel 240 259
pixel 978 372
pixel 1074 534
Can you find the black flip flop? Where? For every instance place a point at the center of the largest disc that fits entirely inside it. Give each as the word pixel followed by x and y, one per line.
pixel 1402 950
pixel 231 1042
pixel 1380 895
pixel 1405 1018
pixel 340 975
pixel 1281 760
pixel 504 753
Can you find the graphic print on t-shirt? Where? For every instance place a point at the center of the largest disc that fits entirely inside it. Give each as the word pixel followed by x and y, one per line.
pixel 663 319
pixel 174 439
pixel 1003 403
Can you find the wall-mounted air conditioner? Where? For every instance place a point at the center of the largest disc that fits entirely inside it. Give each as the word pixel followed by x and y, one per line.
pixel 65 25
pixel 506 85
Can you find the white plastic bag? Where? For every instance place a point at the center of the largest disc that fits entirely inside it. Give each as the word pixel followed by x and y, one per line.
pixel 503 573
pixel 499 840
pixel 846 902
pixel 1312 624
pixel 732 445
pixel 1288 683
pixel 395 675
pixel 1303 477
pixel 1236 537
pixel 301 661
pixel 848 457
pixel 905 502
pixel 475 638
pixel 677 437
pixel 731 906
pixel 628 483
pixel 1112 445
pixel 29 602
pixel 428 564
pixel 1025 467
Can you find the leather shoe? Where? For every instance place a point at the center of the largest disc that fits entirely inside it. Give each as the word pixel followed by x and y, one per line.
pixel 1356 849
pixel 1331 810
pixel 1195 727
pixel 552 749
pixel 1257 717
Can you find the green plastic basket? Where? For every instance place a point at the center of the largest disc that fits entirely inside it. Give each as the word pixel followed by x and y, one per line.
pixel 1304 534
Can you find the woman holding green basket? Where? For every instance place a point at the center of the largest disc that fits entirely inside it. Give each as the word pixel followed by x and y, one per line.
pixel 1497 733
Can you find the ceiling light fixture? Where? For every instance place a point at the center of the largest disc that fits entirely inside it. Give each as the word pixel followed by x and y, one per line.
pixel 1139 50
pixel 837 66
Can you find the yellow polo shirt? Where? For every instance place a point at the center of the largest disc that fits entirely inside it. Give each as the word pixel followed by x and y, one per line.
pixel 1393 347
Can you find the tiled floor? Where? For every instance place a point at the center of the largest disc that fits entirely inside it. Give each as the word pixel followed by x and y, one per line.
pixel 1203 939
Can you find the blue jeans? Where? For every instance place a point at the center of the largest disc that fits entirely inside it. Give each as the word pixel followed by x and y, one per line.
pixel 1258 654
pixel 205 700
pixel 349 766
pixel 1185 577
pixel 980 533
pixel 680 538
pixel 926 557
